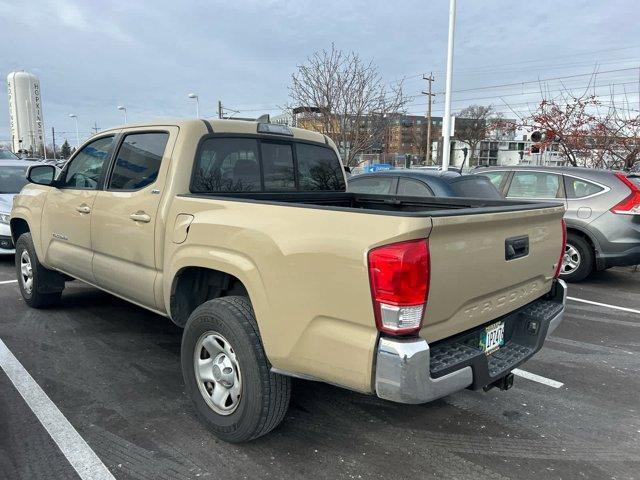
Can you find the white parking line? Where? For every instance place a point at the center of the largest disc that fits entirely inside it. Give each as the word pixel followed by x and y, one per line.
pixel 74 448
pixel 615 307
pixel 4 282
pixel 537 378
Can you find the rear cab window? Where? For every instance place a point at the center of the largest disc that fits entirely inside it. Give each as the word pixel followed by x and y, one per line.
pixel 238 164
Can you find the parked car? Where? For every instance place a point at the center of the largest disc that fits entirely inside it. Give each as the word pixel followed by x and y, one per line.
pixel 244 234
pixel 7 155
pixel 603 211
pixel 424 183
pixel 13 176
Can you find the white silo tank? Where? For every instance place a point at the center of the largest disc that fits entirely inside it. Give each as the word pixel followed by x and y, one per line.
pixel 25 112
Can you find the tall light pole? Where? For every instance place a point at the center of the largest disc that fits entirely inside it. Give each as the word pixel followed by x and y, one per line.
pixel 124 109
pixel 75 117
pixel 193 95
pixel 446 121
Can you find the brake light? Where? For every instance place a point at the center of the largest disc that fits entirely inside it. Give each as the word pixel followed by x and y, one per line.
pixel 631 204
pixel 399 279
pixel 564 247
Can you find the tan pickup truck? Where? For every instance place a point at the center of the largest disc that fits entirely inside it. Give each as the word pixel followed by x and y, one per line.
pixel 244 234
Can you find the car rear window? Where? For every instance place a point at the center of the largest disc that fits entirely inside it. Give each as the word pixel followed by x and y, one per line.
pixel 228 164
pixel 474 186
pixel 373 185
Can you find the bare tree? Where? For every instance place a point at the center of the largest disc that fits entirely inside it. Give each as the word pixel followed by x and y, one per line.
pixel 474 124
pixel 345 99
pixel 618 134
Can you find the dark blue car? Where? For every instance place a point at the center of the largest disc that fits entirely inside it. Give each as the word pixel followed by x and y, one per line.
pixel 424 183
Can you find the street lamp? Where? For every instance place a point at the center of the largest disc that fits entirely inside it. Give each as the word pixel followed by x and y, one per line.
pixel 124 109
pixel 446 121
pixel 193 95
pixel 75 117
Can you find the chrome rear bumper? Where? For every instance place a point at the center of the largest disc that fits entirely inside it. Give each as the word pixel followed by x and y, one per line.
pixel 403 368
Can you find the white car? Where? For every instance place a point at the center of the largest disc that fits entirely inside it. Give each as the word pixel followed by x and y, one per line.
pixel 12 178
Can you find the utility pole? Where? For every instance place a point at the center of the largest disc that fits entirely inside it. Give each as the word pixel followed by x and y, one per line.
pixel 95 128
pixel 429 97
pixel 219 109
pixel 53 135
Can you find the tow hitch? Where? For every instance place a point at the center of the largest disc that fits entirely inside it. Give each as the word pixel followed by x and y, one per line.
pixel 504 383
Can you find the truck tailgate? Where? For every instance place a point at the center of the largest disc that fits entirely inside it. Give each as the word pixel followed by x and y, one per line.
pixel 473 282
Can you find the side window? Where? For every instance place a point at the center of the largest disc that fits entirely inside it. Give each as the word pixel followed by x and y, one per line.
pixel 534 185
pixel 84 171
pixel 277 166
pixel 318 168
pixel 413 188
pixel 577 188
pixel 376 185
pixel 138 161
pixel 495 177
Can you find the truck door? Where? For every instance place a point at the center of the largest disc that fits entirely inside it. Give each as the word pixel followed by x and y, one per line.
pixel 125 215
pixel 66 217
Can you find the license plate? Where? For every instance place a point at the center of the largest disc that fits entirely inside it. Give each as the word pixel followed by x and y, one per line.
pixel 492 338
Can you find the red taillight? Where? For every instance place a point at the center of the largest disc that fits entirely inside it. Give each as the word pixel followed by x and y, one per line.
pixel 631 204
pixel 399 278
pixel 564 247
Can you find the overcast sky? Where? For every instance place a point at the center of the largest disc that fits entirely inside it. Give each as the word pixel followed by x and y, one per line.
pixel 148 55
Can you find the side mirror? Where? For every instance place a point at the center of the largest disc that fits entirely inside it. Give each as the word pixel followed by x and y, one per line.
pixel 42 174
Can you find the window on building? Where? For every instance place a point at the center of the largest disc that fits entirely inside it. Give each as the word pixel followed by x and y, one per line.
pixel 138 161
pixel 534 185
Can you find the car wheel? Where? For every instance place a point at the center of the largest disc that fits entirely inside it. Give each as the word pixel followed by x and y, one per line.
pixel 40 287
pixel 227 374
pixel 578 259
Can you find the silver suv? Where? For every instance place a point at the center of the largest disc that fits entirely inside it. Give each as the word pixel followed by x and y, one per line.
pixel 603 211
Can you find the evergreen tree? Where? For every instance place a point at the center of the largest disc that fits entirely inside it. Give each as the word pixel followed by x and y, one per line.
pixel 65 149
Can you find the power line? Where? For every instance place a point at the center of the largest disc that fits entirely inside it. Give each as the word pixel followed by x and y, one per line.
pixel 541 80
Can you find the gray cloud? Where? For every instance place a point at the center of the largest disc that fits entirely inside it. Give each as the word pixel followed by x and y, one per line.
pixel 147 55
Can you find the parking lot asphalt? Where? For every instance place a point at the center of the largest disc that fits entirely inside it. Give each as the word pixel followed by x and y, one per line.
pixel 113 371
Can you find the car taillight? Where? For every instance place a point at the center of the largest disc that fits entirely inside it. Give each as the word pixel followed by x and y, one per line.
pixel 631 204
pixel 399 279
pixel 564 247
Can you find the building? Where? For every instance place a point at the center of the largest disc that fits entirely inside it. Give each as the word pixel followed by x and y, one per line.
pixel 25 113
pixel 406 137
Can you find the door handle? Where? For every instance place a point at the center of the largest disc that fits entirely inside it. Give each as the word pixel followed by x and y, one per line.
pixel 140 216
pixel 84 208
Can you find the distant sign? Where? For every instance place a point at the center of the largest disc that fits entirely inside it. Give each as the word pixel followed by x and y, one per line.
pixel 377 167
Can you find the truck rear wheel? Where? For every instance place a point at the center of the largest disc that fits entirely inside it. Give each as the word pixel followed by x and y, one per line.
pixel 40 287
pixel 227 374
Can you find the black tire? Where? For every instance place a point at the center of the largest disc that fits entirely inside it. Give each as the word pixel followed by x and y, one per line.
pixel 264 397
pixel 46 285
pixel 586 259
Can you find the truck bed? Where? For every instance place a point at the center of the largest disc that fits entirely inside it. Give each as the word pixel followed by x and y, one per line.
pixel 382 204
